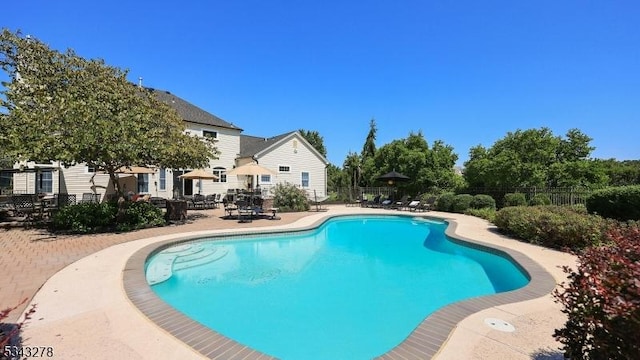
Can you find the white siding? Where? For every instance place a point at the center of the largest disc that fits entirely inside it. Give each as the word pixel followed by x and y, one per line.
pixel 300 158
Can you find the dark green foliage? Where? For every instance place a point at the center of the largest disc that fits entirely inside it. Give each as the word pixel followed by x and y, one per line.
pixel 602 300
pixel 289 198
pixel 488 214
pixel 85 217
pixel 540 199
pixel 482 201
pixel 556 227
pixel 140 214
pixel 90 218
pixel 461 203
pixel 445 201
pixel 621 203
pixel 515 199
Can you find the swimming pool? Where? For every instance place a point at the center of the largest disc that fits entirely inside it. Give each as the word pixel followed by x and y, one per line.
pixel 354 287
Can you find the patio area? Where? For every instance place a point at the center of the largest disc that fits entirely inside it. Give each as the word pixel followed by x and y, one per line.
pixel 82 310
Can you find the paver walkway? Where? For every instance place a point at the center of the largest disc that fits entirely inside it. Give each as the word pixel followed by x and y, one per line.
pixel 29 257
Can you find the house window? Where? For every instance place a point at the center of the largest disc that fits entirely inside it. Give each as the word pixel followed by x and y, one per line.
pixel 91 169
pixel 284 169
pixel 265 179
pixel 221 173
pixel 143 183
pixel 44 182
pixel 163 179
pixel 305 179
pixel 210 134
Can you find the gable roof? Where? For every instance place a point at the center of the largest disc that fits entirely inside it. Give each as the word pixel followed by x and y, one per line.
pixel 252 145
pixel 190 112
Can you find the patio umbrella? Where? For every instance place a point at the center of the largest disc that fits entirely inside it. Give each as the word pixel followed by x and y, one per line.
pixel 393 177
pixel 199 174
pixel 251 169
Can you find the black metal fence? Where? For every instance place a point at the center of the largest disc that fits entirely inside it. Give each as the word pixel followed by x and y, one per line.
pixel 557 195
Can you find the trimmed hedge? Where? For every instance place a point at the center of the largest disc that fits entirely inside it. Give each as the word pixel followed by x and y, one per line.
pixel 461 203
pixel 445 201
pixel 540 199
pixel 484 213
pixel 86 217
pixel 556 227
pixel 515 199
pixel 482 201
pixel 621 203
pixel 91 218
pixel 602 300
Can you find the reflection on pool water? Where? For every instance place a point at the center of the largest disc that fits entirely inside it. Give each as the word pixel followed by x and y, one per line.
pixel 353 288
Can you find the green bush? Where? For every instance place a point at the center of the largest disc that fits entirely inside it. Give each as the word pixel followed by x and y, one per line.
pixel 85 217
pixel 461 203
pixel 482 201
pixel 556 227
pixel 139 215
pixel 90 217
pixel 539 199
pixel 515 199
pixel 621 203
pixel 602 300
pixel 289 198
pixel 445 201
pixel 488 214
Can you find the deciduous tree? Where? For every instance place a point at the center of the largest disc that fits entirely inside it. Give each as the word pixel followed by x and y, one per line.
pixel 60 106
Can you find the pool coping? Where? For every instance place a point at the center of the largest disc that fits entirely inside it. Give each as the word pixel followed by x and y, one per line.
pixel 425 341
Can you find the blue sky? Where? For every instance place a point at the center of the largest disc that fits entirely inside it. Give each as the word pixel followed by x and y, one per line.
pixel 465 72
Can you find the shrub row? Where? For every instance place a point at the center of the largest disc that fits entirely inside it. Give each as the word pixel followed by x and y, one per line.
pixel 559 227
pixel 621 203
pixel 602 300
pixel 90 217
pixel 463 202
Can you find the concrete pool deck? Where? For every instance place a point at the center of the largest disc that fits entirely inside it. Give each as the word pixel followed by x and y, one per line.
pixel 83 311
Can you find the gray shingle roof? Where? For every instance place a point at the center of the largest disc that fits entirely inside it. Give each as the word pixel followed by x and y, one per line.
pixel 190 112
pixel 251 145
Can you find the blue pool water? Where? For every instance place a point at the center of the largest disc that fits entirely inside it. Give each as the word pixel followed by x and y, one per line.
pixel 352 289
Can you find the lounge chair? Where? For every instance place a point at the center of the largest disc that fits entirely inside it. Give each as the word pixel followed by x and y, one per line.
pixel 402 203
pixel 425 204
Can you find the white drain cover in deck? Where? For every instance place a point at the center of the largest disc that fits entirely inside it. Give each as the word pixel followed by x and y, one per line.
pixel 500 325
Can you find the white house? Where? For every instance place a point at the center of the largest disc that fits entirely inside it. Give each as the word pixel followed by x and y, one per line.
pixel 289 155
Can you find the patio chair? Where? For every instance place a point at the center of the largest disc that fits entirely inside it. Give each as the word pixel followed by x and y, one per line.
pixel 318 203
pixel 90 198
pixel 229 208
pixel 25 205
pixel 245 212
pixel 210 201
pixel 402 203
pixel 198 201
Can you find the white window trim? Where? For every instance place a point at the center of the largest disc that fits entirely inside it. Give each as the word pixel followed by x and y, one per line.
pixel 265 182
pixel 208 130
pixel 284 172
pixel 308 180
pixel 160 188
pixel 220 169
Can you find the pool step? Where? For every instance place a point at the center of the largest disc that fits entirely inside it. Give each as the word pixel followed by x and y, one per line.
pixel 201 258
pixel 180 258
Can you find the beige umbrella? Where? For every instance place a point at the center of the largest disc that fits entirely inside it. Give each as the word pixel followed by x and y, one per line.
pixel 251 169
pixel 199 174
